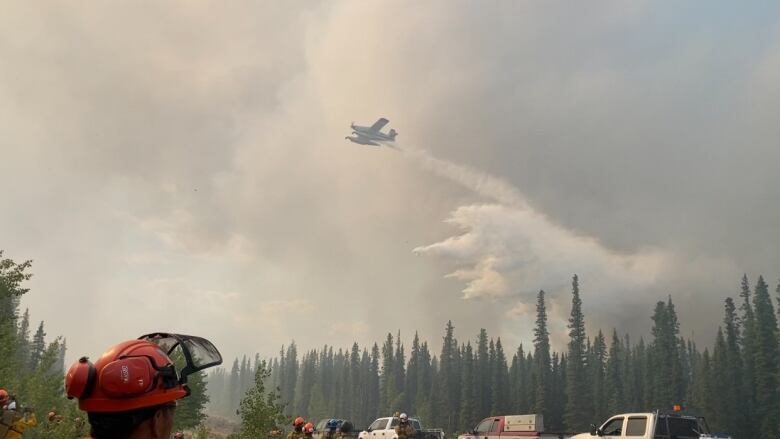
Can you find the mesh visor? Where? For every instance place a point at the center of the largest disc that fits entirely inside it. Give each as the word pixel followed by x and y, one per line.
pixel 198 352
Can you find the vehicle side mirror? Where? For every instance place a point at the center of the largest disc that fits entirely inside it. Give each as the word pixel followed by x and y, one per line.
pixel 473 432
pixel 369 429
pixel 595 431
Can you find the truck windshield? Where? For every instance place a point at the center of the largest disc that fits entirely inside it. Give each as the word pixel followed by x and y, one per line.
pixel 379 424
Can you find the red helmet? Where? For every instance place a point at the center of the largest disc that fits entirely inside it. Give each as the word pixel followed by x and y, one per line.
pixel 298 421
pixel 308 428
pixel 129 376
pixel 3 395
pixel 139 373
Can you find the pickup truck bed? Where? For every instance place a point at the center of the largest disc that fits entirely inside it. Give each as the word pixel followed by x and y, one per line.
pixel 516 426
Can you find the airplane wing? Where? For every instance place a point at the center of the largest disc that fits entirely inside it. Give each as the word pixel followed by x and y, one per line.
pixel 379 124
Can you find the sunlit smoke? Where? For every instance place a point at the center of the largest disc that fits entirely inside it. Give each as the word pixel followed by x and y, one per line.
pixel 507 248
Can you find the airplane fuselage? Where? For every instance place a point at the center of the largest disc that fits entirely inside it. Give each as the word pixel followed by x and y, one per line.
pixel 373 135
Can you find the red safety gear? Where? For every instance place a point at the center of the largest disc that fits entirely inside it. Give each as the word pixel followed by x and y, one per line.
pixel 298 421
pixel 3 396
pixel 308 428
pixel 129 376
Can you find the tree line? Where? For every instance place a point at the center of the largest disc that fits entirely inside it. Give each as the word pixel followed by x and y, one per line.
pixel 734 383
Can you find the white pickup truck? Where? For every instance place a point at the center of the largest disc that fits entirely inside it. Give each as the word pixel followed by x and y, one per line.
pixel 655 425
pixel 384 428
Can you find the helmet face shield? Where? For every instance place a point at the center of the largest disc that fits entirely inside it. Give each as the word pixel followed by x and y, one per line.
pixel 197 353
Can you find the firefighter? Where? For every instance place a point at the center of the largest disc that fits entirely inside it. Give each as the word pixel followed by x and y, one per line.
pixel 404 430
pixel 22 423
pixel 330 429
pixel 131 390
pixel 344 429
pixel 308 430
pixel 297 432
pixel 54 422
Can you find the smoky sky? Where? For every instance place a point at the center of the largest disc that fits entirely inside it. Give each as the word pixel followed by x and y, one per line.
pixel 181 166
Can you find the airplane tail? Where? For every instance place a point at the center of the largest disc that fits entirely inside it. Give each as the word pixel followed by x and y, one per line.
pixel 392 134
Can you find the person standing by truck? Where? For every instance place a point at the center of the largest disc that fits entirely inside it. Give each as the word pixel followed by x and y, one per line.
pixel 297 432
pixel 404 430
pixel 308 430
pixel 344 429
pixel 330 429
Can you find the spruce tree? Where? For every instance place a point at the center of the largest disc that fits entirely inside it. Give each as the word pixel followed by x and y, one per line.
pixel 597 366
pixel 577 416
pixel 449 380
pixel 766 358
pixel 542 358
pixel 468 412
pixel 37 347
pixel 373 400
pixel 748 341
pixel 667 385
pixel 501 387
pixel 191 411
pixel 482 373
pixel 387 377
pixel 735 417
pixel 234 387
pixel 23 339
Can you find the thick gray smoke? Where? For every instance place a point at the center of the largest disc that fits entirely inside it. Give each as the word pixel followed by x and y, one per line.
pixel 163 157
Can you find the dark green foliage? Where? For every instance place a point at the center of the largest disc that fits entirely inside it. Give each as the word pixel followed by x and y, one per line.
pixel 37 384
pixel 666 378
pixel 543 362
pixel 260 409
pixel 766 358
pixel 577 415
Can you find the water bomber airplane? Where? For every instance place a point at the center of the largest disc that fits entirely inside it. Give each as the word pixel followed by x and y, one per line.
pixel 372 135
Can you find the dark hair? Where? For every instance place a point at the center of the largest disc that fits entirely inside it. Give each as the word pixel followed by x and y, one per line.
pixel 119 425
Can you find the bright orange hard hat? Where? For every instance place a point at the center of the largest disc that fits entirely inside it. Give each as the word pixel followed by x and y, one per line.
pixel 131 375
pixel 308 428
pixel 299 421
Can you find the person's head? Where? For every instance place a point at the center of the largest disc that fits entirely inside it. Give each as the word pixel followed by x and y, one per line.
pixel 51 416
pixel 178 435
pixel 404 418
pixel 298 423
pixel 308 429
pixel 131 390
pixel 4 397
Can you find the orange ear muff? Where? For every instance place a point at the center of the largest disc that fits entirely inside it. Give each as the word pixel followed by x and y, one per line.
pixel 127 377
pixel 80 379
